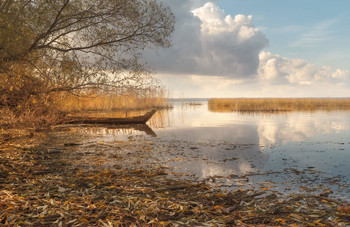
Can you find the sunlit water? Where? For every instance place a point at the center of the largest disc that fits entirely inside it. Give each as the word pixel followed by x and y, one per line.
pixel 286 152
pixel 291 152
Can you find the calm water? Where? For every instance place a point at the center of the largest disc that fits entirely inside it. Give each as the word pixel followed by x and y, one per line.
pixel 287 153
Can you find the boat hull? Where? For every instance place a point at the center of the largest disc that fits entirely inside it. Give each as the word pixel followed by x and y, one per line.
pixel 119 121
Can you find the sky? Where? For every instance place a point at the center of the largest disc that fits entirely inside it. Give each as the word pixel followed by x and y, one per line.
pixel 255 48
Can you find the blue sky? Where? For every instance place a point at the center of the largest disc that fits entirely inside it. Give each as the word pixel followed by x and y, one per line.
pixel 315 30
pixel 257 48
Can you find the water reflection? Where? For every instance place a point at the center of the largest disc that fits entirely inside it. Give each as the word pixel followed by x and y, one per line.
pixel 291 149
pixel 299 126
pixel 247 143
pixel 271 128
pixel 124 129
pixel 208 151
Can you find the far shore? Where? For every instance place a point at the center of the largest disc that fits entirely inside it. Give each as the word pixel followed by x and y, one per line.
pixel 277 104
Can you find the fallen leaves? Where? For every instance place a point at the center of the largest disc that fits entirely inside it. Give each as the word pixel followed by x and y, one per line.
pixel 344 209
pixel 46 188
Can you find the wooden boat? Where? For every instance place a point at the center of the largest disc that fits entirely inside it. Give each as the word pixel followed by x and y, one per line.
pixel 119 121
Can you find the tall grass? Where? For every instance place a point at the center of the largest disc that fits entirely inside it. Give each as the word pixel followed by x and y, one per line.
pixel 102 102
pixel 277 104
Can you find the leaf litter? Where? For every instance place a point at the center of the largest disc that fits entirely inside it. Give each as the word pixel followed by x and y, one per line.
pixel 42 185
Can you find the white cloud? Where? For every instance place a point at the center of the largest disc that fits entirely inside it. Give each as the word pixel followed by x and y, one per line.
pixel 215 54
pixel 179 59
pixel 207 42
pixel 341 74
pixel 230 44
pixel 276 70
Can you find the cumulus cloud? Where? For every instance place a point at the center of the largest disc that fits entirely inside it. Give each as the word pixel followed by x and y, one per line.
pixel 218 54
pixel 209 42
pixel 179 59
pixel 231 45
pixel 279 70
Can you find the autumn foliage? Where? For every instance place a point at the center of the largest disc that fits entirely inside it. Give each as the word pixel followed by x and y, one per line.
pixel 52 47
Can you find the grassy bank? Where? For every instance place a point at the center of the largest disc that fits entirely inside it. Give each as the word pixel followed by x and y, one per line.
pixel 46 111
pixel 277 104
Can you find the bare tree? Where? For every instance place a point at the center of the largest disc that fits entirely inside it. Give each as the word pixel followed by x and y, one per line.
pixel 69 45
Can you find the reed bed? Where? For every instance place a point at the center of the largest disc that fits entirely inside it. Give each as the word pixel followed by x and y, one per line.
pixel 277 104
pixel 112 105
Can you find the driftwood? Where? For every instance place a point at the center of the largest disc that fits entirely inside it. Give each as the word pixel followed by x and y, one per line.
pixel 128 120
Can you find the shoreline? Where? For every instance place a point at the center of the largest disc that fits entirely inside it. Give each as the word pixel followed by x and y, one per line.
pixel 277 104
pixel 45 180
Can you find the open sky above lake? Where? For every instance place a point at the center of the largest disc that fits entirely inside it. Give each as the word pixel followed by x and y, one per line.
pixel 254 48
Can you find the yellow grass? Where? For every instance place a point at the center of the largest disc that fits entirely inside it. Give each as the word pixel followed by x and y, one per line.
pixel 105 103
pixel 277 104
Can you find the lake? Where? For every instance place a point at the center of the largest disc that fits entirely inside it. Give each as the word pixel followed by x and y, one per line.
pixel 288 152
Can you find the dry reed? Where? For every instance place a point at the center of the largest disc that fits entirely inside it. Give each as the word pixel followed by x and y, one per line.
pixel 278 104
pixel 111 105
